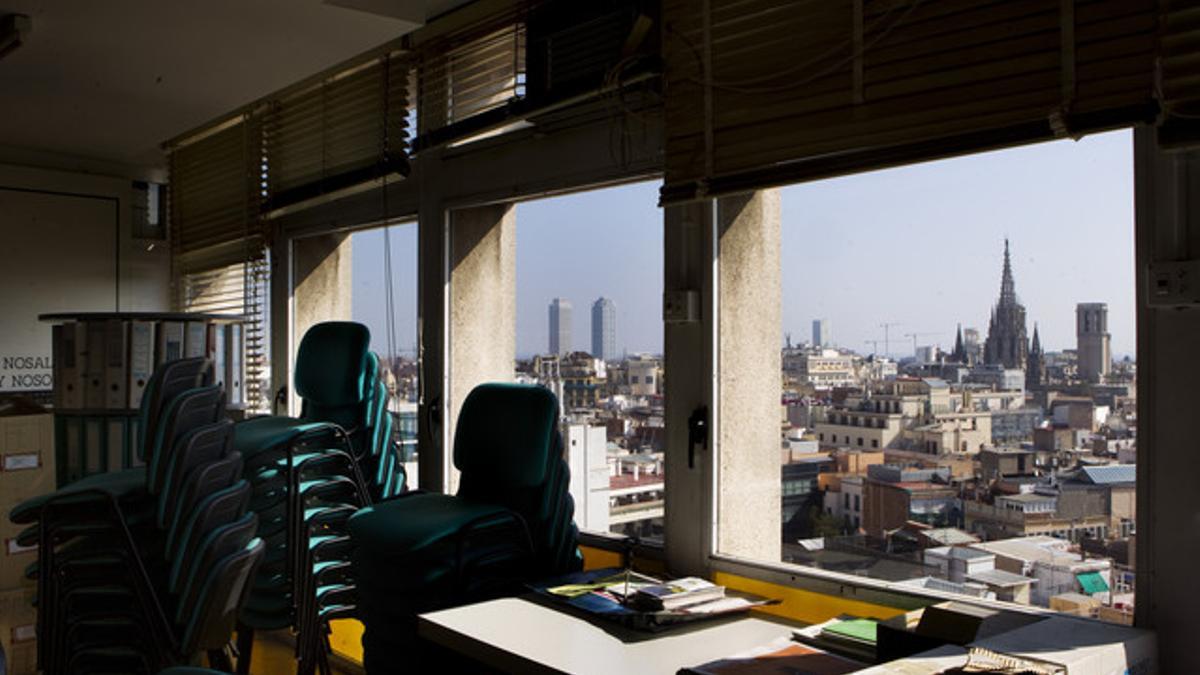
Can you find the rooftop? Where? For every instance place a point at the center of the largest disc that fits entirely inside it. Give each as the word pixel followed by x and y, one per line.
pixel 959 552
pixel 1040 548
pixel 1109 475
pixel 1026 498
pixel 1000 578
pixel 949 536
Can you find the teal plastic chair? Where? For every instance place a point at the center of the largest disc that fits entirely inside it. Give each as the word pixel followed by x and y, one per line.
pixel 168 381
pixel 510 522
pixel 97 561
pixel 309 473
pixel 143 621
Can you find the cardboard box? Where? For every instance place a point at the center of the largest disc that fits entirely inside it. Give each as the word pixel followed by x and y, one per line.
pixel 18 634
pixel 26 470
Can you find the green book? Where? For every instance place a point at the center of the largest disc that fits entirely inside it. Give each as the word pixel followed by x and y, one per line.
pixel 861 630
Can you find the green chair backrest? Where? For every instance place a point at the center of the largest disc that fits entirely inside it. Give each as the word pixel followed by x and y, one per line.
pixel 217 509
pixel 168 381
pixel 222 542
pixel 331 370
pixel 212 616
pixel 201 484
pixel 185 412
pixel 508 448
pixel 201 445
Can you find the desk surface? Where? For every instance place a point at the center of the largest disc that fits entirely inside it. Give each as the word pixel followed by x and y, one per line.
pixel 521 636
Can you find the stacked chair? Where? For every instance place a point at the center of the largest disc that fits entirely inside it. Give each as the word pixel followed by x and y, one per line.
pixel 309 475
pixel 510 522
pixel 133 578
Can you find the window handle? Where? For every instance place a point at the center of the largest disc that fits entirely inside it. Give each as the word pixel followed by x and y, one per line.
pixel 697 433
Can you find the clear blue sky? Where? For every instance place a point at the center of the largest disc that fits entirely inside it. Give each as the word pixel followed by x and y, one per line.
pixel 919 245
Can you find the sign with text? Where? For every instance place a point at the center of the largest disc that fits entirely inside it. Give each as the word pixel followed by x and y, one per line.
pixel 26 373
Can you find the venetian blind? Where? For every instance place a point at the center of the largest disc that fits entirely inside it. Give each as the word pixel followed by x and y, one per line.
pixel 765 92
pixel 215 196
pixel 339 132
pixel 470 72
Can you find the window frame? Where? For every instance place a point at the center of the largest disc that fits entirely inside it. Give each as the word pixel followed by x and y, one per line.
pixel 709 560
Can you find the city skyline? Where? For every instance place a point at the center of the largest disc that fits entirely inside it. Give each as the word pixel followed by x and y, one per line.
pixel 893 248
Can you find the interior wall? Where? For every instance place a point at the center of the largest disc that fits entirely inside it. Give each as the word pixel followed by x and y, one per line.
pixel 68 247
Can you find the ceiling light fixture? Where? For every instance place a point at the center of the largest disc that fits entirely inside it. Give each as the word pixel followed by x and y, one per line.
pixel 14 32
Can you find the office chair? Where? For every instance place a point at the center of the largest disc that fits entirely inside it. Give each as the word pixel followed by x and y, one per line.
pixel 309 473
pixel 510 522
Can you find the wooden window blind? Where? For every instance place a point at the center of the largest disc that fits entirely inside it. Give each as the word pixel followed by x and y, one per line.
pixel 215 196
pixel 766 92
pixel 218 238
pixel 468 73
pixel 346 129
pixel 240 288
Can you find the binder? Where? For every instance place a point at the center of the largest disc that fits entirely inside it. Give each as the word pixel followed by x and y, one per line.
pixel 116 443
pixel 235 367
pixel 94 442
pixel 116 378
pixel 73 466
pixel 57 357
pixel 218 333
pixel 210 340
pixel 141 360
pixel 170 341
pixel 74 348
pixel 195 341
pixel 95 365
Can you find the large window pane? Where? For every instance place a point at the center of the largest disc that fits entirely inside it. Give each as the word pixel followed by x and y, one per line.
pixel 589 287
pixel 380 254
pixel 957 404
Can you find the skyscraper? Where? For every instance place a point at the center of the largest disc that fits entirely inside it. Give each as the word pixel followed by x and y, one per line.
pixel 1007 344
pixel 1092 340
pixel 560 326
pixel 604 329
pixel 821 336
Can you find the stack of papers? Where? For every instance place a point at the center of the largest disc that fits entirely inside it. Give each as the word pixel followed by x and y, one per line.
pixel 849 636
pixel 677 594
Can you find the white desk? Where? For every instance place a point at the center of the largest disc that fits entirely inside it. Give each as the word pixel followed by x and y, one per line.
pixel 520 636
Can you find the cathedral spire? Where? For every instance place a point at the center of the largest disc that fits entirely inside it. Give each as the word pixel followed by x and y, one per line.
pixel 1008 290
pixel 960 352
pixel 1037 344
pixel 1007 343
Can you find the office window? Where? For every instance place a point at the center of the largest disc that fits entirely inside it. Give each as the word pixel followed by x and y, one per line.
pixel 979 315
pixel 383 296
pixel 589 288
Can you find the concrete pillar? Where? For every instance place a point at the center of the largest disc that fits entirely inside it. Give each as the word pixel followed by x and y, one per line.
pixel 483 306
pixel 1167 190
pixel 321 276
pixel 749 291
pixel 321 283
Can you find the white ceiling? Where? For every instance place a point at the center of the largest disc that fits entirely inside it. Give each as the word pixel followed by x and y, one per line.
pixel 103 83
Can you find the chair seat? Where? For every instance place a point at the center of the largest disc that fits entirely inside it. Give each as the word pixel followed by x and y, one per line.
pixel 406 526
pixel 257 434
pixel 124 484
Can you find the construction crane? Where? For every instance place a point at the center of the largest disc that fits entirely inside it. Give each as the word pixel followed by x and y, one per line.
pixel 914 337
pixel 887 345
pixel 874 345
